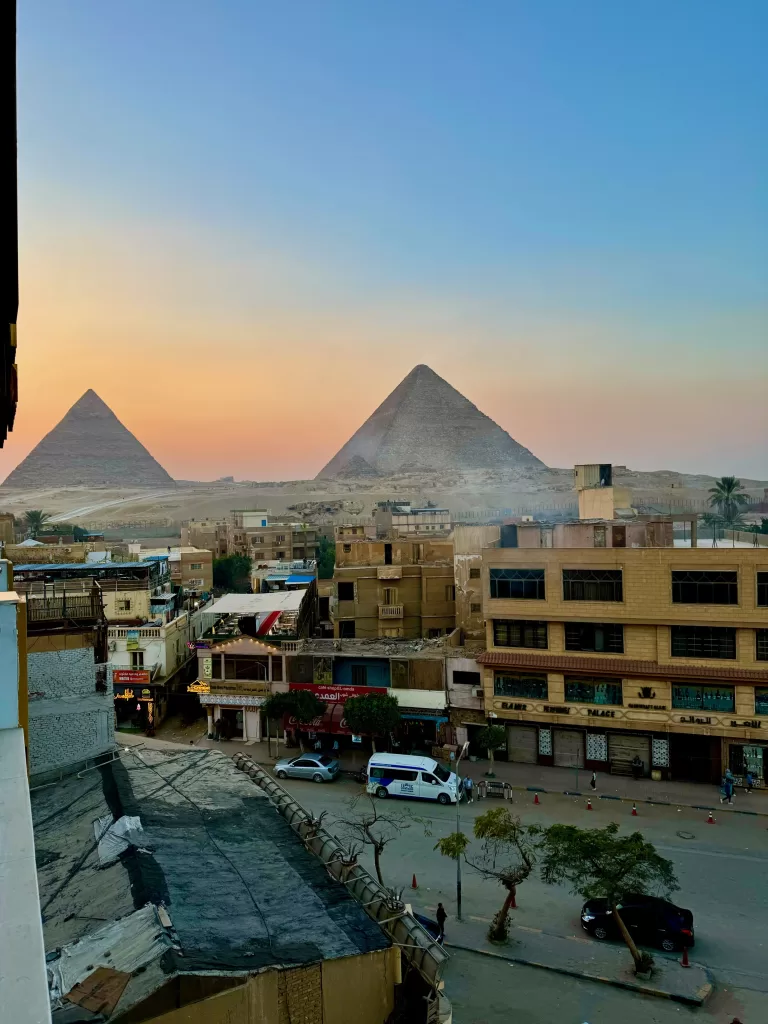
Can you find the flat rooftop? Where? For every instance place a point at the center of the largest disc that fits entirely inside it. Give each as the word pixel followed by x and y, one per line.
pixel 257 604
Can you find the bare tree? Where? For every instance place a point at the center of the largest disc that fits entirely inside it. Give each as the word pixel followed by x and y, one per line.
pixel 371 827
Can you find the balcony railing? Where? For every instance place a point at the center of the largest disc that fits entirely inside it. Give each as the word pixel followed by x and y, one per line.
pixel 144 633
pixel 78 607
pixel 390 611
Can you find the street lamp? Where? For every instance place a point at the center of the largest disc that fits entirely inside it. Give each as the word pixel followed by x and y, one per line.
pixel 462 752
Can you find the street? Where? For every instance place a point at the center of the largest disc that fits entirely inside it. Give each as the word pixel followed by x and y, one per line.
pixel 721 869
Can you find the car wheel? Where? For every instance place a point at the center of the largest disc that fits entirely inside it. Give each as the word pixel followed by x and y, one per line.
pixel 281 774
pixel 381 793
pixel 600 932
pixel 443 799
pixel 317 777
pixel 668 945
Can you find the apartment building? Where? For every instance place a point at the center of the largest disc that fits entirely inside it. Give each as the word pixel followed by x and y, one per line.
pixel 610 639
pixel 254 533
pixel 398 588
pixel 401 519
pixel 191 568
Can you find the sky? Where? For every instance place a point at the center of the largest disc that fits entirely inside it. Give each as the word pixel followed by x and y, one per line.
pixel 243 223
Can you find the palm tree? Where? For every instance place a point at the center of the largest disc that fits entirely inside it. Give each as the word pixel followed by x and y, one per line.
pixel 728 499
pixel 34 520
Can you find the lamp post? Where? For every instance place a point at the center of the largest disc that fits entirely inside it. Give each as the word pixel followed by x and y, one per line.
pixel 462 752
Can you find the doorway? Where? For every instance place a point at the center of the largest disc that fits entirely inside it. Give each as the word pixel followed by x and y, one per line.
pixel 695 758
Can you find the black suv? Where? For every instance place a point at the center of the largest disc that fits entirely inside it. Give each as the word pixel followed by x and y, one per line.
pixel 649 920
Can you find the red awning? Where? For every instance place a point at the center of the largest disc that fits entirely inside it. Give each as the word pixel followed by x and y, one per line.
pixel 267 623
pixel 332 721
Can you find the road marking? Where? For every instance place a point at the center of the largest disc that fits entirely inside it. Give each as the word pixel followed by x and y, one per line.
pixel 694 852
pixel 484 920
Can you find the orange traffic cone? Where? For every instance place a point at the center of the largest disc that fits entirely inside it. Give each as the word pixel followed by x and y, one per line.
pixel 684 961
pixel 536 798
pixel 634 810
pixel 589 804
pixel 710 819
pixel 414 883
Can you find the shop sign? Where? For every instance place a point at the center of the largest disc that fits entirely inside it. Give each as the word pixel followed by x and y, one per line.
pixel 337 694
pixel 753 723
pixel 132 639
pixel 506 706
pixel 599 713
pixel 258 686
pixel 649 707
pixel 207 668
pixel 695 720
pixel 199 687
pixel 551 710
pixel 134 676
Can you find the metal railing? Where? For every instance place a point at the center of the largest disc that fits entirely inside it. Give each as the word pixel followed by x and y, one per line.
pixel 64 606
pixel 390 611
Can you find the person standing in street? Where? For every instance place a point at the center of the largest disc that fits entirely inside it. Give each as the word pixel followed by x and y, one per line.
pixel 468 784
pixel 441 918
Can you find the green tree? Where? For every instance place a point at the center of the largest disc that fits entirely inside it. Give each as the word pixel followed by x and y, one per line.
pixel 303 705
pixel 372 715
pixel 232 574
pixel 326 558
pixel 728 500
pixel 34 521
pixel 598 863
pixel 492 737
pixel 508 854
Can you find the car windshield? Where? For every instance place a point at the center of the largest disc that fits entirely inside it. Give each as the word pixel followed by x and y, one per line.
pixel 324 759
pixel 441 773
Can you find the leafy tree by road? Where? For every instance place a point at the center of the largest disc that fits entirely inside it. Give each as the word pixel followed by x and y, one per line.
pixel 34 521
pixel 232 574
pixel 599 863
pixel 372 715
pixel 508 854
pixel 372 827
pixel 302 705
pixel 326 558
pixel 492 737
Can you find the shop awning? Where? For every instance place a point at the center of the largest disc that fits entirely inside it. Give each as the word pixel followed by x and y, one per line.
pixel 298 578
pixel 430 716
pixel 332 721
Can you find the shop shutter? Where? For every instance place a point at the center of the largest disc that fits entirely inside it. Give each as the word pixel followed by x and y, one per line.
pixel 522 743
pixel 622 746
pixel 569 748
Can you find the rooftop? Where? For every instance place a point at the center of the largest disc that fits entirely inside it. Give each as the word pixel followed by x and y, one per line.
pixel 202 876
pixel 255 604
pixel 87 567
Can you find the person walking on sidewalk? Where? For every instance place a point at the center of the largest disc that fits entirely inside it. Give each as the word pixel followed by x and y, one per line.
pixel 750 781
pixel 441 918
pixel 468 785
pixel 726 790
pixel 593 782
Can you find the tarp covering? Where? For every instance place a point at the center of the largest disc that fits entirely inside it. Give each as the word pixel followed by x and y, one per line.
pixel 116 836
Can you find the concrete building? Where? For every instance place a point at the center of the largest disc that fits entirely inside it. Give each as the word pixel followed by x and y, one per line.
pixel 468 544
pixel 191 568
pixel 401 519
pixel 396 588
pixel 200 902
pixel 255 533
pixel 23 981
pixel 606 642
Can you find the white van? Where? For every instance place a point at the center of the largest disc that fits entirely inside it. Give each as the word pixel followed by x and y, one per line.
pixel 404 775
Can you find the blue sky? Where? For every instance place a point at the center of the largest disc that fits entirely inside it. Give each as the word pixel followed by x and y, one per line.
pixel 560 206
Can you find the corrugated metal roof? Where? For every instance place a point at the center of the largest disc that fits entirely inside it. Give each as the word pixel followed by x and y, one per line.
pixel 85 566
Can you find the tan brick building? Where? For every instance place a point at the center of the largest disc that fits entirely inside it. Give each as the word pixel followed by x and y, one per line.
pixel 598 653
pixel 397 588
pixel 254 533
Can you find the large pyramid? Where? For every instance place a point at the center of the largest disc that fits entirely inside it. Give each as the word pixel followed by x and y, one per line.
pixel 425 424
pixel 89 446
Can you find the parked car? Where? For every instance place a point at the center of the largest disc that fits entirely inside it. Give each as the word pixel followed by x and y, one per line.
pixel 649 920
pixel 318 767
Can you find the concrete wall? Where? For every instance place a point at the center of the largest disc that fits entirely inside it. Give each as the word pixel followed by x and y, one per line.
pixel 9 661
pixel 63 671
pixel 468 545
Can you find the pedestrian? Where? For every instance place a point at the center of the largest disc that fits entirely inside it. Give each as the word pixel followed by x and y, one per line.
pixel 441 918
pixel 750 780
pixel 336 747
pixel 637 767
pixel 726 789
pixel 468 786
pixel 593 782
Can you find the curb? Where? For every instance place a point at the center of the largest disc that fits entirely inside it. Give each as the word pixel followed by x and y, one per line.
pixel 639 800
pixel 702 993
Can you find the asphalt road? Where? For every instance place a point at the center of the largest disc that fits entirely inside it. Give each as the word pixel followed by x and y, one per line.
pixel 722 870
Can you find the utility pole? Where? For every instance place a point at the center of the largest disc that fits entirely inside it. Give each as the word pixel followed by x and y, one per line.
pixel 462 752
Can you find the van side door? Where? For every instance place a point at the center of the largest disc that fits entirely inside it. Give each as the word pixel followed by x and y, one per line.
pixel 408 782
pixel 430 786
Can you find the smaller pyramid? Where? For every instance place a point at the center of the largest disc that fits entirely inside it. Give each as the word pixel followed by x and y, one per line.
pixel 89 447
pixel 425 424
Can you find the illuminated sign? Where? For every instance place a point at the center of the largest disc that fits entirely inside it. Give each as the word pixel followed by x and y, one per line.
pixel 134 676
pixel 199 687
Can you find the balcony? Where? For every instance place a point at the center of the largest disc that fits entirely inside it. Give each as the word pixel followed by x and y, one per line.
pixel 390 611
pixel 80 608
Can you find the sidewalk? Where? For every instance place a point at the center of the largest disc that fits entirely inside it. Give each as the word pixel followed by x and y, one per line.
pixel 581 957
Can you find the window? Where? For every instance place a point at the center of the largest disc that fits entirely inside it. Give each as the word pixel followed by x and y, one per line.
pixel 258 554
pixel 520 685
pixel 592 691
pixel 703 698
pixel 124 605
pixel 592 585
pixel 525 584
pixel 347 548
pixel 359 675
pixel 467 678
pixel 255 541
pixel 519 633
pixel 600 637
pixel 441 773
pixel 450 592
pixel 429 778
pixel 346 591
pixel 280 538
pixel 474 574
pixel 761 644
pixel 393 774
pixel 475 609
pixel 703 642
pixel 347 629
pixel 195 566
pixel 280 554
pixel 708 587
pixel 762 589
pixel 433 634
pixel 390 595
pixel 137 659
pixel 761 701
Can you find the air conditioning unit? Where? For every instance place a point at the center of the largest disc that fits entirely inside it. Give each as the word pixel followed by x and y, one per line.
pixel 477 691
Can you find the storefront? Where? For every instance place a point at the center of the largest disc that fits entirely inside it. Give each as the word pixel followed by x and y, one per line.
pixel 239 715
pixel 749 757
pixel 424 721
pixel 330 730
pixel 138 704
